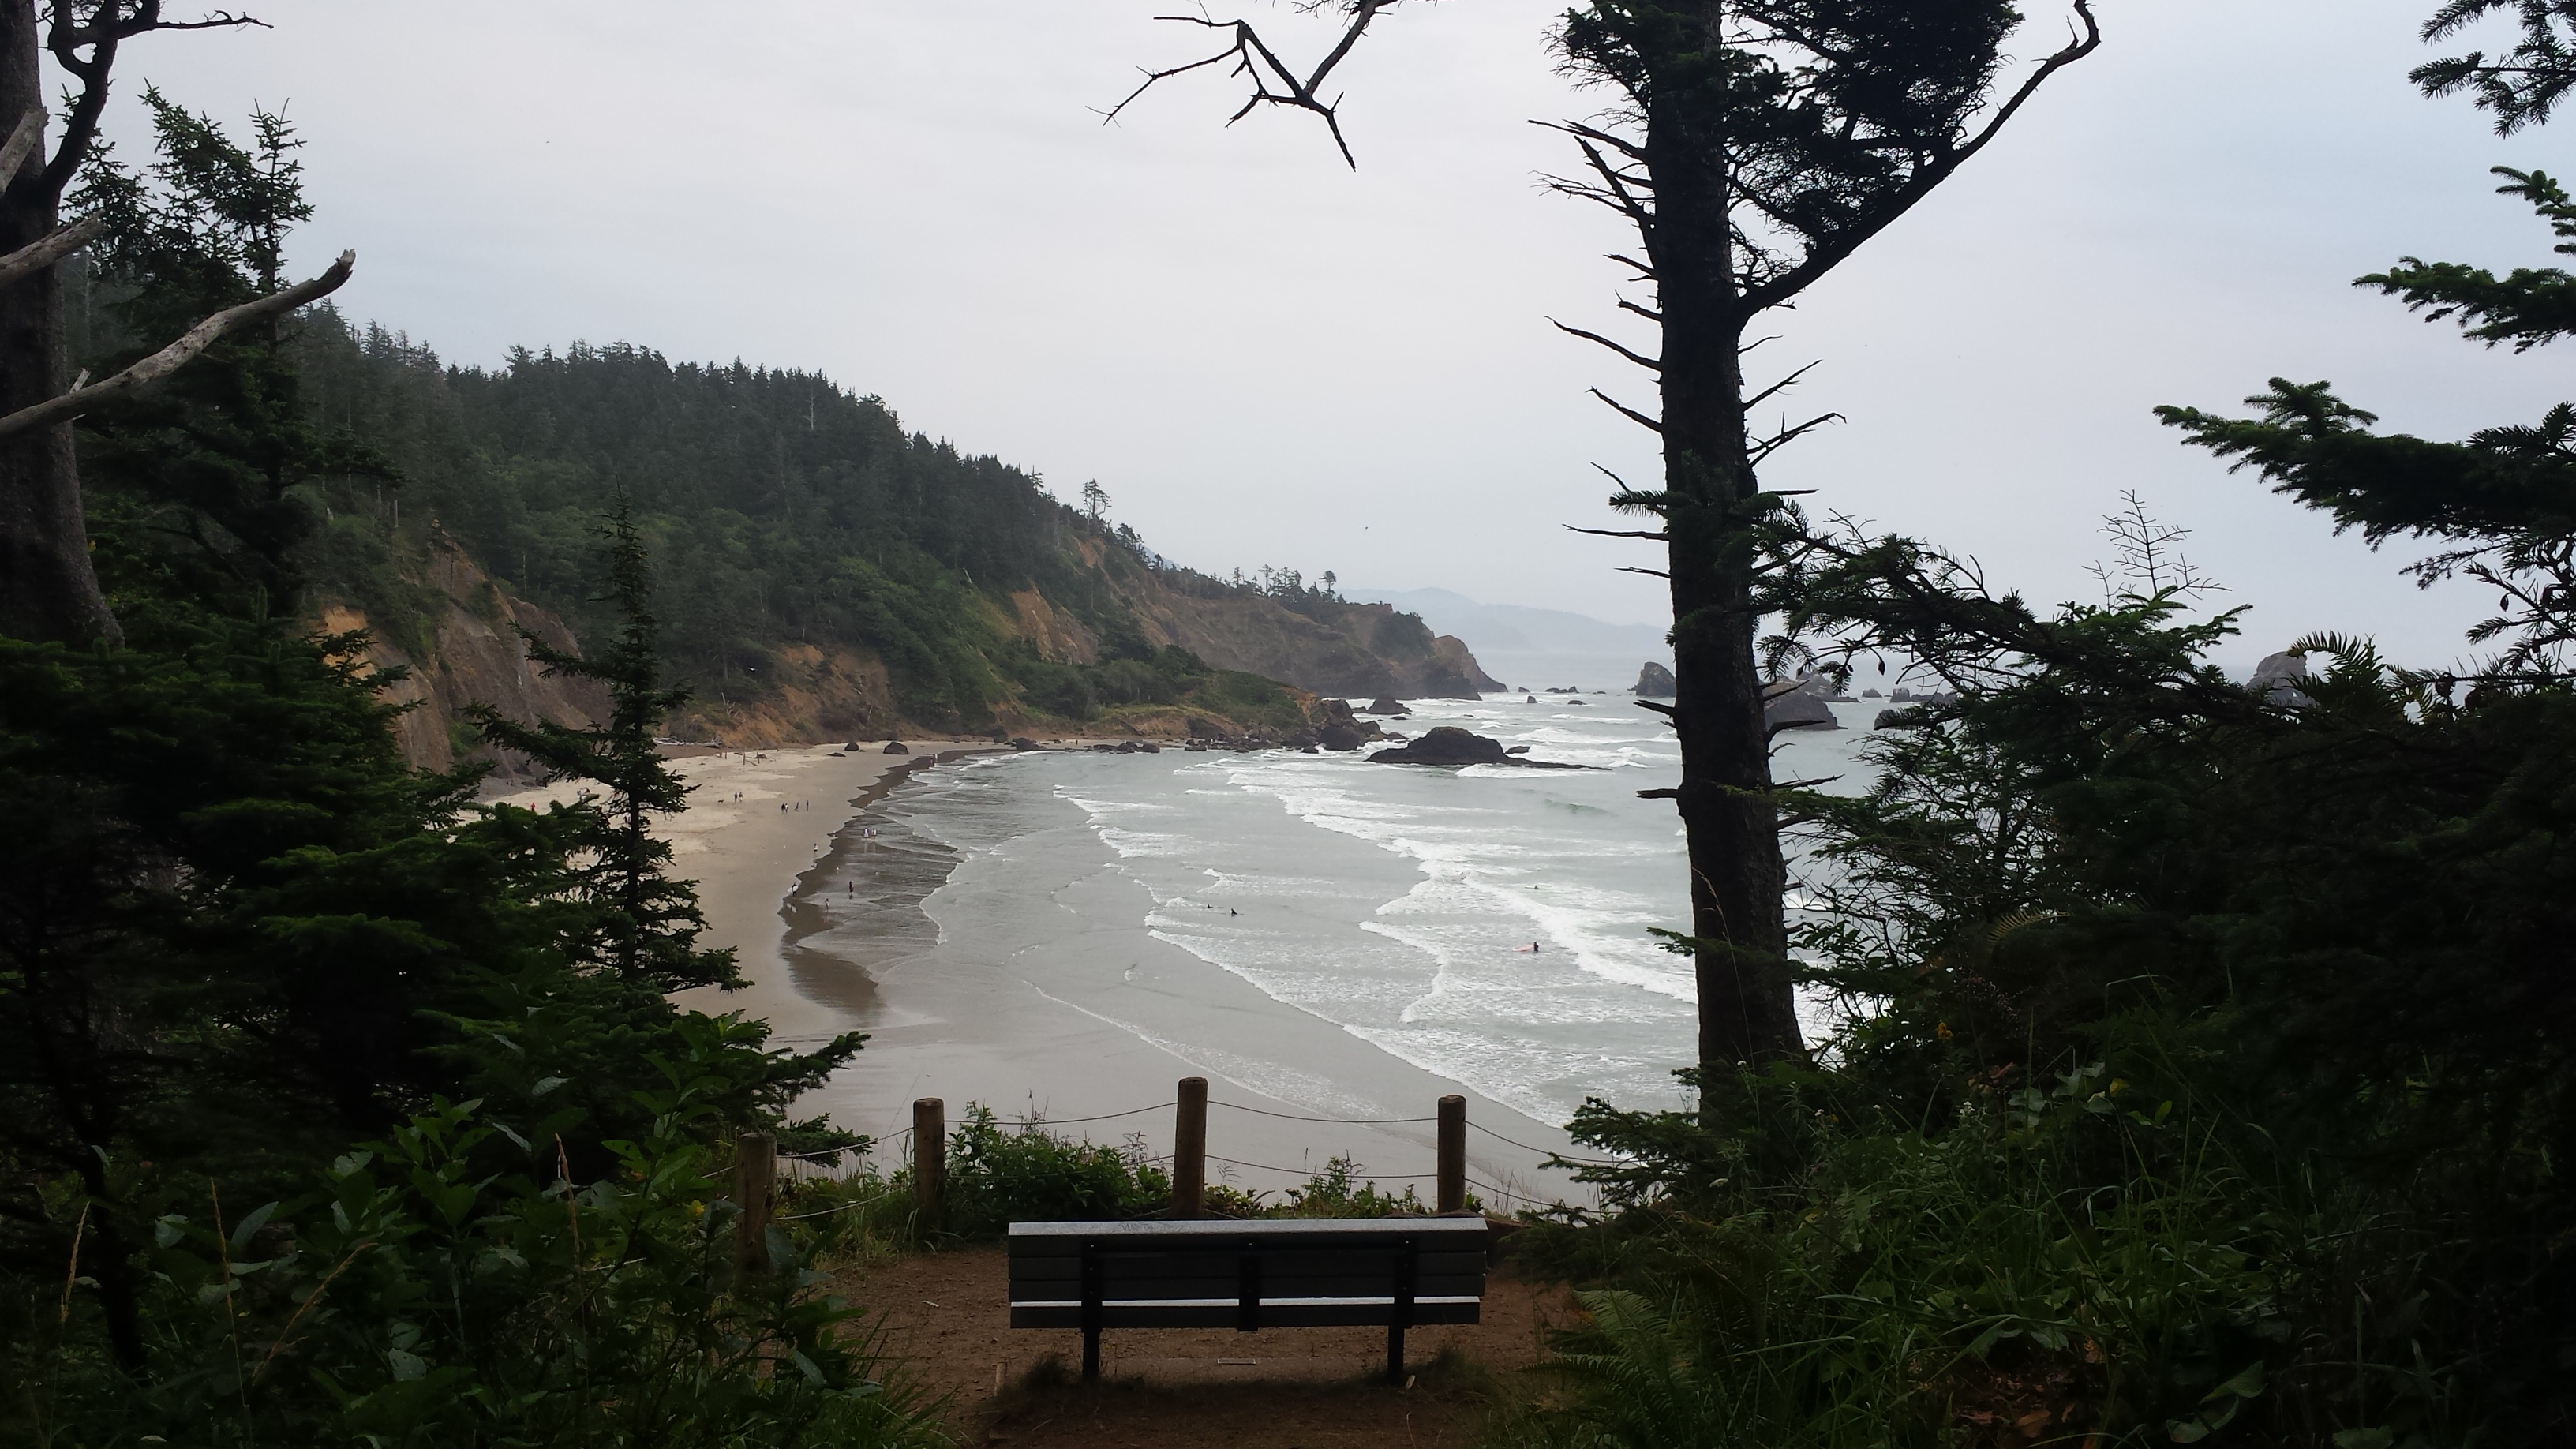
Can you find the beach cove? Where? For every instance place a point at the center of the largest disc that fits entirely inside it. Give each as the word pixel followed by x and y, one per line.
pixel 1064 933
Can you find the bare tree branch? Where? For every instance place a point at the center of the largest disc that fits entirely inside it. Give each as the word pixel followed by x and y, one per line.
pixel 1631 414
pixel 1786 436
pixel 178 354
pixel 110 23
pixel 1256 61
pixel 46 250
pixel 24 138
pixel 1639 358
pixel 1781 386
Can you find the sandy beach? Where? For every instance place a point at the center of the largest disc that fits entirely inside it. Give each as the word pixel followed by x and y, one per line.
pixel 1026 977
pixel 746 855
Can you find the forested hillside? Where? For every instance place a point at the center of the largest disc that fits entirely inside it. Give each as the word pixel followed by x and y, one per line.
pixel 821 571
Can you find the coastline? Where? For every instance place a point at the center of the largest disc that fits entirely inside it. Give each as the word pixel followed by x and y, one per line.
pixel 1024 969
pixel 747 857
pixel 1015 960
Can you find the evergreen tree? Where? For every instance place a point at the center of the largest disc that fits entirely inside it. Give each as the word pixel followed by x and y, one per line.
pixel 2521 86
pixel 48 588
pixel 1763 145
pixel 202 486
pixel 648 923
pixel 1753 147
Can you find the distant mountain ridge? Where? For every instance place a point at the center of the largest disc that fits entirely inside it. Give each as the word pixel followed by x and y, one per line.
pixel 1536 648
pixel 820 572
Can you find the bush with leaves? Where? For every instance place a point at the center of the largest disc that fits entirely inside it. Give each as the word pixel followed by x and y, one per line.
pixel 453 1284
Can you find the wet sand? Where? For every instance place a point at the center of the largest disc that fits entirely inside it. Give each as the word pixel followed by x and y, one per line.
pixel 1018 969
pixel 747 856
pixel 1025 978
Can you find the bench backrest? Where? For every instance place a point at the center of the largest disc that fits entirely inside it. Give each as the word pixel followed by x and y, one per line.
pixel 1247 1274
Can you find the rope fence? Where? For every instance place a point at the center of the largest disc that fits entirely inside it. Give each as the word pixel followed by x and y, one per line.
pixel 1293 1171
pixel 1334 1121
pixel 838 1207
pixel 1191 1159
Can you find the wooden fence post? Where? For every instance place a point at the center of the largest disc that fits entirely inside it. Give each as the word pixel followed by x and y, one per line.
pixel 929 1160
pixel 755 1191
pixel 1453 1155
pixel 1189 1151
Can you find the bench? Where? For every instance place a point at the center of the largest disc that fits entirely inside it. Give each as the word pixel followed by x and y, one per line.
pixel 1309 1273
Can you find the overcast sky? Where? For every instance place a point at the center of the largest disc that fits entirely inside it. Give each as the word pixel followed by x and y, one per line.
pixel 1265 357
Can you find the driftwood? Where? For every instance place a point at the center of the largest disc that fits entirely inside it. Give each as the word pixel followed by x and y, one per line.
pixel 177 355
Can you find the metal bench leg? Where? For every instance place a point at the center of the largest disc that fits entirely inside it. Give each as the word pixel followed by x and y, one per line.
pixel 1092 1293
pixel 1400 1311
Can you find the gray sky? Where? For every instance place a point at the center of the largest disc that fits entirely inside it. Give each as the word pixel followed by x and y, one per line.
pixel 1266 358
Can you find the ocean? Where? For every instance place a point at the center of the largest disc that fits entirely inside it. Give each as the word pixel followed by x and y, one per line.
pixel 1325 936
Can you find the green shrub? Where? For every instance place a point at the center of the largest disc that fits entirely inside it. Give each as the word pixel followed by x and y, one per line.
pixel 447 1286
pixel 998 1175
pixel 2092 1258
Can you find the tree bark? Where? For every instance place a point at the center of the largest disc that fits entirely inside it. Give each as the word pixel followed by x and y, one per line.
pixel 48 591
pixel 1747 1000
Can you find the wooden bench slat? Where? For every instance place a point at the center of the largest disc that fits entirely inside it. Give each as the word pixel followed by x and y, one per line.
pixel 1266 1227
pixel 1227 1286
pixel 1271 1260
pixel 1208 1313
pixel 1427 1234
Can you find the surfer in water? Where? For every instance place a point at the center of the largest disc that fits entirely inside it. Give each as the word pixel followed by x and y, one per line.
pixel 1529 950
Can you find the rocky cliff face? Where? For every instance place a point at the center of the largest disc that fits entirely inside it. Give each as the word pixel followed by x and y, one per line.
pixel 471 653
pixel 475 656
pixel 1330 648
pixel 1357 650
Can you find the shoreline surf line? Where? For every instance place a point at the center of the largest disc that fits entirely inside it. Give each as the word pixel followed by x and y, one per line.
pixel 835 979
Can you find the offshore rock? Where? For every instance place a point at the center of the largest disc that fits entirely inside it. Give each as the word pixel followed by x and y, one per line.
pixel 1385 704
pixel 1336 728
pixel 1799 704
pixel 1654 681
pixel 2278 678
pixel 1450 745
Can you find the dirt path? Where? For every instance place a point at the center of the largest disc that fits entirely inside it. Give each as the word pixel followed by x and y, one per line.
pixel 948 1323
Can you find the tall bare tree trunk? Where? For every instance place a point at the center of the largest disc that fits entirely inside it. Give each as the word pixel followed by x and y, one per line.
pixel 48 590
pixel 1747 1000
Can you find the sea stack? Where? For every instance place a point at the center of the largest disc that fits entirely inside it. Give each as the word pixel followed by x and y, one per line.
pixel 1450 745
pixel 1799 704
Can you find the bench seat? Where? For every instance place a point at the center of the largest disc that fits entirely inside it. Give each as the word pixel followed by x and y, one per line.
pixel 1296 1273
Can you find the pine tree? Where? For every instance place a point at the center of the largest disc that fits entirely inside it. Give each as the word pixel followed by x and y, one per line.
pixel 647 923
pixel 1758 146
pixel 1753 147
